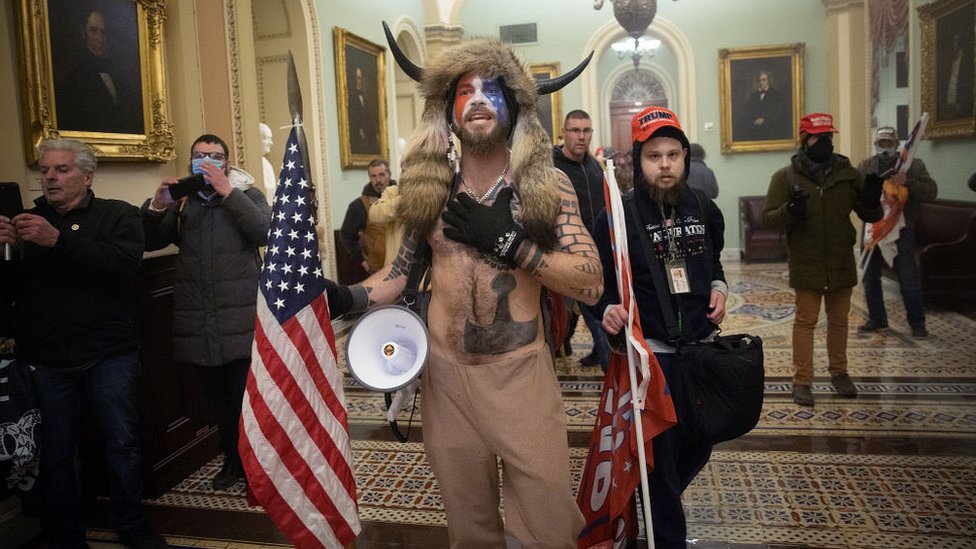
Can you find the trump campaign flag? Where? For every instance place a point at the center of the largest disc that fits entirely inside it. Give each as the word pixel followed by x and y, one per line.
pixel 883 234
pixel 294 433
pixel 618 460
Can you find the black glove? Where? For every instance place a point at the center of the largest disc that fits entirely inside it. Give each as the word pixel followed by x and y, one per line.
pixel 340 299
pixel 797 206
pixel 489 229
pixel 871 193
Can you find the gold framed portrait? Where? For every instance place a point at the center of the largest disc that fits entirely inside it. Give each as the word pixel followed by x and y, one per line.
pixel 549 106
pixel 760 97
pixel 93 71
pixel 948 67
pixel 361 94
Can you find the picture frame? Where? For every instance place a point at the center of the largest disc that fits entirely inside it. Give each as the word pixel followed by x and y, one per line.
pixel 96 78
pixel 361 96
pixel 948 67
pixel 755 120
pixel 549 106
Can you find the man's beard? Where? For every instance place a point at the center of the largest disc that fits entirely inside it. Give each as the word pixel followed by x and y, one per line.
pixel 668 197
pixel 479 143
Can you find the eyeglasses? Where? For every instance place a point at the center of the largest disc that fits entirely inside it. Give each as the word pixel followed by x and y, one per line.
pixel 219 156
pixel 577 131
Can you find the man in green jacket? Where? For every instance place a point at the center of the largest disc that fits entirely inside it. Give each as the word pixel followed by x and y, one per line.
pixel 812 199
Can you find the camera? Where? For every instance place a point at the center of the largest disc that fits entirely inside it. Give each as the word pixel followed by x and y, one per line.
pixel 187 186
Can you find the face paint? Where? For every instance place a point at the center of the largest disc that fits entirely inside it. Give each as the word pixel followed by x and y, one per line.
pixel 475 93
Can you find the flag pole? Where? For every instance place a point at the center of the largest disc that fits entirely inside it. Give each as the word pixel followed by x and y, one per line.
pixel 295 109
pixel 638 406
pixel 637 402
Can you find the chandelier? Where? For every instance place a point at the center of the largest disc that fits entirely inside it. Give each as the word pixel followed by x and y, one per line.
pixel 636 48
pixel 634 16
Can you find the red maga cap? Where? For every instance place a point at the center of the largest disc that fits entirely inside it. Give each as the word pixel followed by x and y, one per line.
pixel 647 122
pixel 817 123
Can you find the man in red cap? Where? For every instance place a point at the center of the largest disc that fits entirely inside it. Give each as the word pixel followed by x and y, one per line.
pixel 687 230
pixel 812 199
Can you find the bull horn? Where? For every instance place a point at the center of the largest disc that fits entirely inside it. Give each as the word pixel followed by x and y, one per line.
pixel 408 66
pixel 555 84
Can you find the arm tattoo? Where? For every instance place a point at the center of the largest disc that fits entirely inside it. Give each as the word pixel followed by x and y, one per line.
pixel 405 257
pixel 536 261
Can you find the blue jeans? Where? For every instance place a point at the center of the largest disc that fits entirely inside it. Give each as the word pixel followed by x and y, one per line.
pixel 678 458
pixel 109 389
pixel 595 325
pixel 908 282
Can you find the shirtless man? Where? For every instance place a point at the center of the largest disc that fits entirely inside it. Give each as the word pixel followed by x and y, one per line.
pixel 510 226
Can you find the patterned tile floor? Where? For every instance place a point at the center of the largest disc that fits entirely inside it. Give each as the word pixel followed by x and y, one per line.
pixel 894 468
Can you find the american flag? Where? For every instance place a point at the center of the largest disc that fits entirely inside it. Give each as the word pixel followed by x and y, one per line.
pixel 612 470
pixel 295 436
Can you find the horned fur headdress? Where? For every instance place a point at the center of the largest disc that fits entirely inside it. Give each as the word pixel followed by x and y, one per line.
pixel 427 172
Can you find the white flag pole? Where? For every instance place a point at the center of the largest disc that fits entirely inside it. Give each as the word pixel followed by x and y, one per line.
pixel 637 355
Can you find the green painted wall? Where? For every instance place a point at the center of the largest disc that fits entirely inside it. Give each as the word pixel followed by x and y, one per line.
pixel 365 21
pixel 708 25
pixel 564 28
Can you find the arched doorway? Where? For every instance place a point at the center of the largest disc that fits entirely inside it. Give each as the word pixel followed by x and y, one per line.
pixel 634 90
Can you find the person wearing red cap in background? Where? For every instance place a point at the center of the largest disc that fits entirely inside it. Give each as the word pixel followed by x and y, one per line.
pixel 812 199
pixel 688 234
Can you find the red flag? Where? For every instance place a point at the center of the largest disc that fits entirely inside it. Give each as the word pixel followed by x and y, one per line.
pixel 295 435
pixel 612 469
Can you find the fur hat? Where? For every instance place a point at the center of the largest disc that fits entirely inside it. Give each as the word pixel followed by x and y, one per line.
pixel 427 174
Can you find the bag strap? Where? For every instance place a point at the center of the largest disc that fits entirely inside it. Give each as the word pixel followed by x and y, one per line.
pixel 664 300
pixel 418 277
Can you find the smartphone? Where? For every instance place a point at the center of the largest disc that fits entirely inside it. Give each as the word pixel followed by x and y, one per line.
pixel 187 186
pixel 11 203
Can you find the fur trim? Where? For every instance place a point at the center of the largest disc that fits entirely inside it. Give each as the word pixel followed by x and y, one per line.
pixel 427 175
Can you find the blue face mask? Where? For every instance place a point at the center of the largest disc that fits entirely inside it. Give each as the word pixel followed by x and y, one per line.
pixel 198 162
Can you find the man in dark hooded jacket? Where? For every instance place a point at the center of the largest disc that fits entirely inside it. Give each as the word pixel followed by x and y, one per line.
pixel 366 241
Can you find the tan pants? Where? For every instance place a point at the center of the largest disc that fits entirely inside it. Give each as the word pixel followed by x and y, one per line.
pixel 510 409
pixel 837 304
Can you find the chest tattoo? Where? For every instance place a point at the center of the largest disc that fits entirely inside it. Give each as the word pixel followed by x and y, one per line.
pixel 503 334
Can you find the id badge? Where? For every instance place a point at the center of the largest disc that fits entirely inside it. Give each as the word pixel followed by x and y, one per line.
pixel 678 277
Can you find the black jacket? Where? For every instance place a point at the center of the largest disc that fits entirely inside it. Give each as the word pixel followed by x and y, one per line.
pixel 587 178
pixel 217 269
pixel 355 220
pixel 700 243
pixel 76 302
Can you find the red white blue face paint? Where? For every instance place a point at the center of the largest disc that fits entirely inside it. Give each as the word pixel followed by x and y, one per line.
pixel 479 96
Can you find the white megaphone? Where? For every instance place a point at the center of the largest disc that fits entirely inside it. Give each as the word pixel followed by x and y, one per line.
pixel 387 348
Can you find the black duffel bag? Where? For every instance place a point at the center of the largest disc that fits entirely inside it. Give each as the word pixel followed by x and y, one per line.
pixel 723 384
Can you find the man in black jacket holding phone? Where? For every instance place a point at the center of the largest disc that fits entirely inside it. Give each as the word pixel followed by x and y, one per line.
pixel 75 324
pixel 218 230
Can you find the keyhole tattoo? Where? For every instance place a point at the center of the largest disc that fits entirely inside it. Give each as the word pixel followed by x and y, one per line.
pixel 503 334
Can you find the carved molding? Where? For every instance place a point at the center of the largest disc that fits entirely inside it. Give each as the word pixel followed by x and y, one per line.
pixel 837 6
pixel 237 107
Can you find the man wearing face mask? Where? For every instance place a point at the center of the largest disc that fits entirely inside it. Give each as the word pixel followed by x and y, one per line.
pixel 917 184
pixel 812 199
pixel 218 231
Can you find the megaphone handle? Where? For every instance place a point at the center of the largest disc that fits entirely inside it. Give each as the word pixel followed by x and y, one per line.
pixel 388 398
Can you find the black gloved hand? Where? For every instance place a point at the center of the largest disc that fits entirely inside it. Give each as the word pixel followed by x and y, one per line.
pixel 489 229
pixel 340 299
pixel 797 206
pixel 871 193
